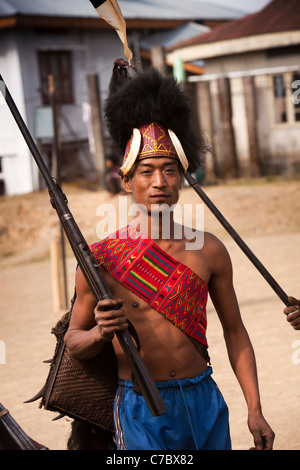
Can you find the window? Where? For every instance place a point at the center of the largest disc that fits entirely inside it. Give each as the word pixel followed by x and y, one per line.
pixel 279 99
pixel 58 64
pixel 286 98
pixel 296 95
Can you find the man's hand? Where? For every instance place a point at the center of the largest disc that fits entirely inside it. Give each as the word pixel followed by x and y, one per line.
pixel 293 313
pixel 110 318
pixel 261 431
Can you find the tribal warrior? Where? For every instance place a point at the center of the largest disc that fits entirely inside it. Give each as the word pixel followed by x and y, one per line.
pixel 163 286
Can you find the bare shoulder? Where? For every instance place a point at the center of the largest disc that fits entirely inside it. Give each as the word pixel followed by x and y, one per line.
pixel 216 253
pixel 206 255
pixel 211 242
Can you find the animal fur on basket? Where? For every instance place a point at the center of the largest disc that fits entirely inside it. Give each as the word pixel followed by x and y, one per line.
pixel 83 436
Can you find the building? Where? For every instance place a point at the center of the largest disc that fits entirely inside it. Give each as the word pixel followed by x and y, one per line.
pixel 249 96
pixel 70 42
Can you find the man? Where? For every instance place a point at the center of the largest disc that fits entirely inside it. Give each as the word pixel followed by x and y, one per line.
pixel 163 287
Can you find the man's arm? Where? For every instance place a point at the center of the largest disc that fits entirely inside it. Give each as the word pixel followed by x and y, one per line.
pixel 92 324
pixel 239 347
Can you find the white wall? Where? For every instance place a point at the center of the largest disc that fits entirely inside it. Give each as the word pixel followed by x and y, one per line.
pixel 16 160
pixel 279 144
pixel 93 51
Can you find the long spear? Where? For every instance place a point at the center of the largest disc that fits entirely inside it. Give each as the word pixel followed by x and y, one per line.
pixel 87 263
pixel 110 12
pixel 248 252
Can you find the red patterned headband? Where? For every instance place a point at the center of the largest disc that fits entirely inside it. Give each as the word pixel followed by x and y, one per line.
pixel 149 141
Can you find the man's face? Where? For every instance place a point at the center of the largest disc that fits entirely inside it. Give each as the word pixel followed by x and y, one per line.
pixel 155 181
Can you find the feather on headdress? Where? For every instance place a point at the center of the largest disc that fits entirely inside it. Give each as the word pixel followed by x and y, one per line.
pixel 110 12
pixel 149 98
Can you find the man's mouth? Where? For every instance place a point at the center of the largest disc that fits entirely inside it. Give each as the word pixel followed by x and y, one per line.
pixel 161 196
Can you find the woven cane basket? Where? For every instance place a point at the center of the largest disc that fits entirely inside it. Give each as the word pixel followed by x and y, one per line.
pixel 81 389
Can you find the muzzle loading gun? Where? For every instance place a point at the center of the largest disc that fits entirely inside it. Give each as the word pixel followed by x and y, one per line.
pixel 86 262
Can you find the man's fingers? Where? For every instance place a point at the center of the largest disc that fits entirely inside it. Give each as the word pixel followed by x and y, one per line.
pixel 112 320
pixel 293 313
pixel 109 317
pixel 258 442
pixel 262 442
pixel 268 442
pixel 293 307
pixel 294 319
pixel 108 304
pixel 293 301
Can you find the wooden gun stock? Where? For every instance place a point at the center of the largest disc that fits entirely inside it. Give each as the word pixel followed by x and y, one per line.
pixel 12 436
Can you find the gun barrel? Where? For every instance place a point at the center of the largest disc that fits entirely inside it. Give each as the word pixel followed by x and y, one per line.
pixel 86 262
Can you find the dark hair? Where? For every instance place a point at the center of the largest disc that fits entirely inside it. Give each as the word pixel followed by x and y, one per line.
pixel 150 97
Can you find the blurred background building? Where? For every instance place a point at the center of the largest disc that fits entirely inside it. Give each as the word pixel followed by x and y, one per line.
pixel 240 68
pixel 248 99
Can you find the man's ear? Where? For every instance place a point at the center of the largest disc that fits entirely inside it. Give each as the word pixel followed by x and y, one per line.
pixel 126 184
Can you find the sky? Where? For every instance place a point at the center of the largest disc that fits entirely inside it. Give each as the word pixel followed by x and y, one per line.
pixel 249 6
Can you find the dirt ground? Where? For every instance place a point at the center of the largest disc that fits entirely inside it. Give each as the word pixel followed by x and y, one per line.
pixel 264 213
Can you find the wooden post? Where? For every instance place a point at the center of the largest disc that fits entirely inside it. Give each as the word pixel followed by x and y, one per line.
pixel 56 169
pixel 206 122
pixel 228 147
pixel 157 59
pixel 96 120
pixel 56 149
pixel 252 122
pixel 56 273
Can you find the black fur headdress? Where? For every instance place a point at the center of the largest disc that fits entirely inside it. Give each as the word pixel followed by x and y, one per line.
pixel 150 97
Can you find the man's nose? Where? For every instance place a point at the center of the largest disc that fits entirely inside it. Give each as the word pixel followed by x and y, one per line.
pixel 159 180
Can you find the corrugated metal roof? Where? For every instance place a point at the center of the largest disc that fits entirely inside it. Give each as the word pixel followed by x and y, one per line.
pixel 176 9
pixel 131 9
pixel 171 38
pixel 277 16
pixel 46 8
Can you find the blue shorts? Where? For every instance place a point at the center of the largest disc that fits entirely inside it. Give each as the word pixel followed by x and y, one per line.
pixel 196 417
